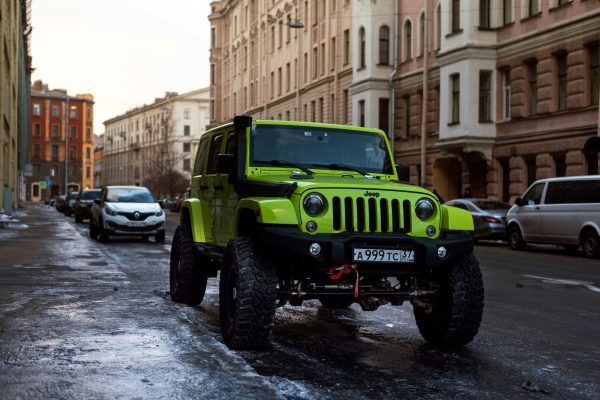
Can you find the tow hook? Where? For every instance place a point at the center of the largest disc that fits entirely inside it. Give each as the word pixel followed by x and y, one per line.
pixel 336 273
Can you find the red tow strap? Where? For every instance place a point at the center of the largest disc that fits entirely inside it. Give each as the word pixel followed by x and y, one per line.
pixel 336 273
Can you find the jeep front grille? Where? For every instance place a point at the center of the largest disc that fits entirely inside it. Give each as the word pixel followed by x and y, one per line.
pixel 370 215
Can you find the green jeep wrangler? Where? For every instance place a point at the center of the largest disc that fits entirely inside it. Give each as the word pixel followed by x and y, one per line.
pixel 291 211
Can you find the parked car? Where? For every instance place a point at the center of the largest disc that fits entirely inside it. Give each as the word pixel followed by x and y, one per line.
pixel 165 202
pixel 176 206
pixel 70 203
pixel 564 211
pixel 83 203
pixel 489 216
pixel 129 211
pixel 61 203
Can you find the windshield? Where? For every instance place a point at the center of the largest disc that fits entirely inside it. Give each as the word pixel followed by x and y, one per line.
pixel 307 146
pixel 71 195
pixel 125 195
pixel 491 205
pixel 90 195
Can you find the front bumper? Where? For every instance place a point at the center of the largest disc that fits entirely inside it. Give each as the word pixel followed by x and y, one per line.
pixel 337 248
pixel 120 225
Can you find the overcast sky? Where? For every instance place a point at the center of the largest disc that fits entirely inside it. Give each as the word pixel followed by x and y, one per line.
pixel 124 52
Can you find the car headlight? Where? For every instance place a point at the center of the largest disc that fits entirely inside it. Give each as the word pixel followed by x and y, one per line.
pixel 424 209
pixel 110 211
pixel 159 213
pixel 314 204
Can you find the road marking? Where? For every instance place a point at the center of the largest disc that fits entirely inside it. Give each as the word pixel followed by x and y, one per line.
pixel 570 282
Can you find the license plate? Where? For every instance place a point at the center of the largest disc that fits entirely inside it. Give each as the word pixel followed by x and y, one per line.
pixel 136 223
pixel 383 255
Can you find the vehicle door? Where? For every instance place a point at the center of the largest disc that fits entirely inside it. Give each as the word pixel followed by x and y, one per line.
pixel 211 186
pixel 529 213
pixel 199 188
pixel 228 197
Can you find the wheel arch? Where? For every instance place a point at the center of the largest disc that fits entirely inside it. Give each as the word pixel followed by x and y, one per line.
pixel 589 226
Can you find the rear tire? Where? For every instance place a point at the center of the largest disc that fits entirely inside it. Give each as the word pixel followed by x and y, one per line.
pixel 187 281
pixel 337 302
pixel 102 232
pixel 247 296
pixel 455 312
pixel 591 244
pixel 515 238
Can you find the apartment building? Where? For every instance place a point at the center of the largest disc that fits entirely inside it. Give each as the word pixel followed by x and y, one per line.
pixel 511 94
pixel 98 158
pixel 155 143
pixel 284 59
pixel 61 142
pixel 15 76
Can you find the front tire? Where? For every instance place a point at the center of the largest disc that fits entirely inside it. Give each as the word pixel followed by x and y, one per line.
pixel 102 232
pixel 93 229
pixel 186 280
pixel 454 314
pixel 591 244
pixel 515 238
pixel 247 295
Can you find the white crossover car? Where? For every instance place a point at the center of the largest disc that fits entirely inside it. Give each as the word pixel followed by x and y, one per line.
pixel 127 211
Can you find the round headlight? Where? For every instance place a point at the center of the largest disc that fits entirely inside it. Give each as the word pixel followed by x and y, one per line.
pixel 424 209
pixel 314 204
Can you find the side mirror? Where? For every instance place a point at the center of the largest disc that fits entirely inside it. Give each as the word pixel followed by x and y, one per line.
pixel 97 201
pixel 225 164
pixel 403 172
pixel 519 201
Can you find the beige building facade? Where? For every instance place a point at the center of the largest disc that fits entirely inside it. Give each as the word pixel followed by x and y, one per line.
pixel 141 145
pixel 284 59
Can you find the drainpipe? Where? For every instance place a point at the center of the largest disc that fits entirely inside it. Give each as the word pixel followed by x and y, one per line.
pixel 425 94
pixel 392 128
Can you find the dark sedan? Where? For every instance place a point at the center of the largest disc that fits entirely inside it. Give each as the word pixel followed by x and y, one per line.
pixel 489 216
pixel 83 203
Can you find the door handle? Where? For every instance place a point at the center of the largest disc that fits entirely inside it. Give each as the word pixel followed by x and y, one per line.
pixel 537 209
pixel 218 187
pixel 203 187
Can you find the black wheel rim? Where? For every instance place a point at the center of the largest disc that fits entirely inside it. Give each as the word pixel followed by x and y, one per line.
pixel 590 244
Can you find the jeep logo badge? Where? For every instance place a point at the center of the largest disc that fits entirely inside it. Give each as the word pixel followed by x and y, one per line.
pixel 371 194
pixel 136 215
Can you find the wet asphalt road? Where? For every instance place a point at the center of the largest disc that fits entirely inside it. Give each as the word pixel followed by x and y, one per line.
pixel 81 319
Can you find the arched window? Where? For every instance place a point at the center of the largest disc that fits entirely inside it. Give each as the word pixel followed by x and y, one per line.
pixel 422 34
pixel 384 45
pixel 408 40
pixel 363 47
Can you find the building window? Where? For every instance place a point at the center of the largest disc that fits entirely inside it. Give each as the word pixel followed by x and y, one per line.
pixel 361 113
pixel 88 134
pixel 187 147
pixel 407 40
pixel 88 153
pixel 485 96
pixel 594 57
pixel 279 81
pixel 87 172
pixel 54 153
pixel 36 129
pixel 187 164
pixel 332 109
pixel 73 112
pixel 321 109
pixel 384 114
pixel 36 151
pixel 561 69
pixel 506 92
pixel 332 50
pixel 288 76
pixel 422 34
pixel 37 109
pixel 533 7
pixel 507 12
pixel 346 46
pixel 73 153
pixel 73 132
pixel 187 113
pixel 55 112
pixel 54 131
pixel 345 108
pixel 406 115
pixel 186 130
pixel 305 67
pixel 455 98
pixel 532 86
pixel 384 45
pixel 484 14
pixel 323 52
pixel 455 21
pixel 315 65
pixel 363 48
pixel 313 111
pixel 272 84
pixel 88 113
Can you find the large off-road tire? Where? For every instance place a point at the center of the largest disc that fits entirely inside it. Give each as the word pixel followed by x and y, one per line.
pixel 187 280
pixel 515 238
pixel 590 243
pixel 93 229
pixel 337 301
pixel 247 295
pixel 455 312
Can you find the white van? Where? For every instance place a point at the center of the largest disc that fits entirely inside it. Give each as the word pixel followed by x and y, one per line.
pixel 563 211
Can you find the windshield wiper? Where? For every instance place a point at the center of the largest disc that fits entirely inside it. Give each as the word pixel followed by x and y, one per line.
pixel 342 167
pixel 283 163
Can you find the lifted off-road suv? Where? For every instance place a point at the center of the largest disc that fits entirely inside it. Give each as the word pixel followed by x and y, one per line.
pixel 291 211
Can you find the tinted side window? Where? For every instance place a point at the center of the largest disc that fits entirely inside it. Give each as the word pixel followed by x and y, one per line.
pixel 202 150
pixel 230 146
pixel 534 195
pixel 574 192
pixel 211 168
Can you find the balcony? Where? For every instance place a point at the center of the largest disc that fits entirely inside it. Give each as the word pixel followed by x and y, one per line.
pixel 134 146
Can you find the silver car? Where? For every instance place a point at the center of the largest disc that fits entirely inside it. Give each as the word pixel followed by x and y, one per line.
pixel 489 216
pixel 564 211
